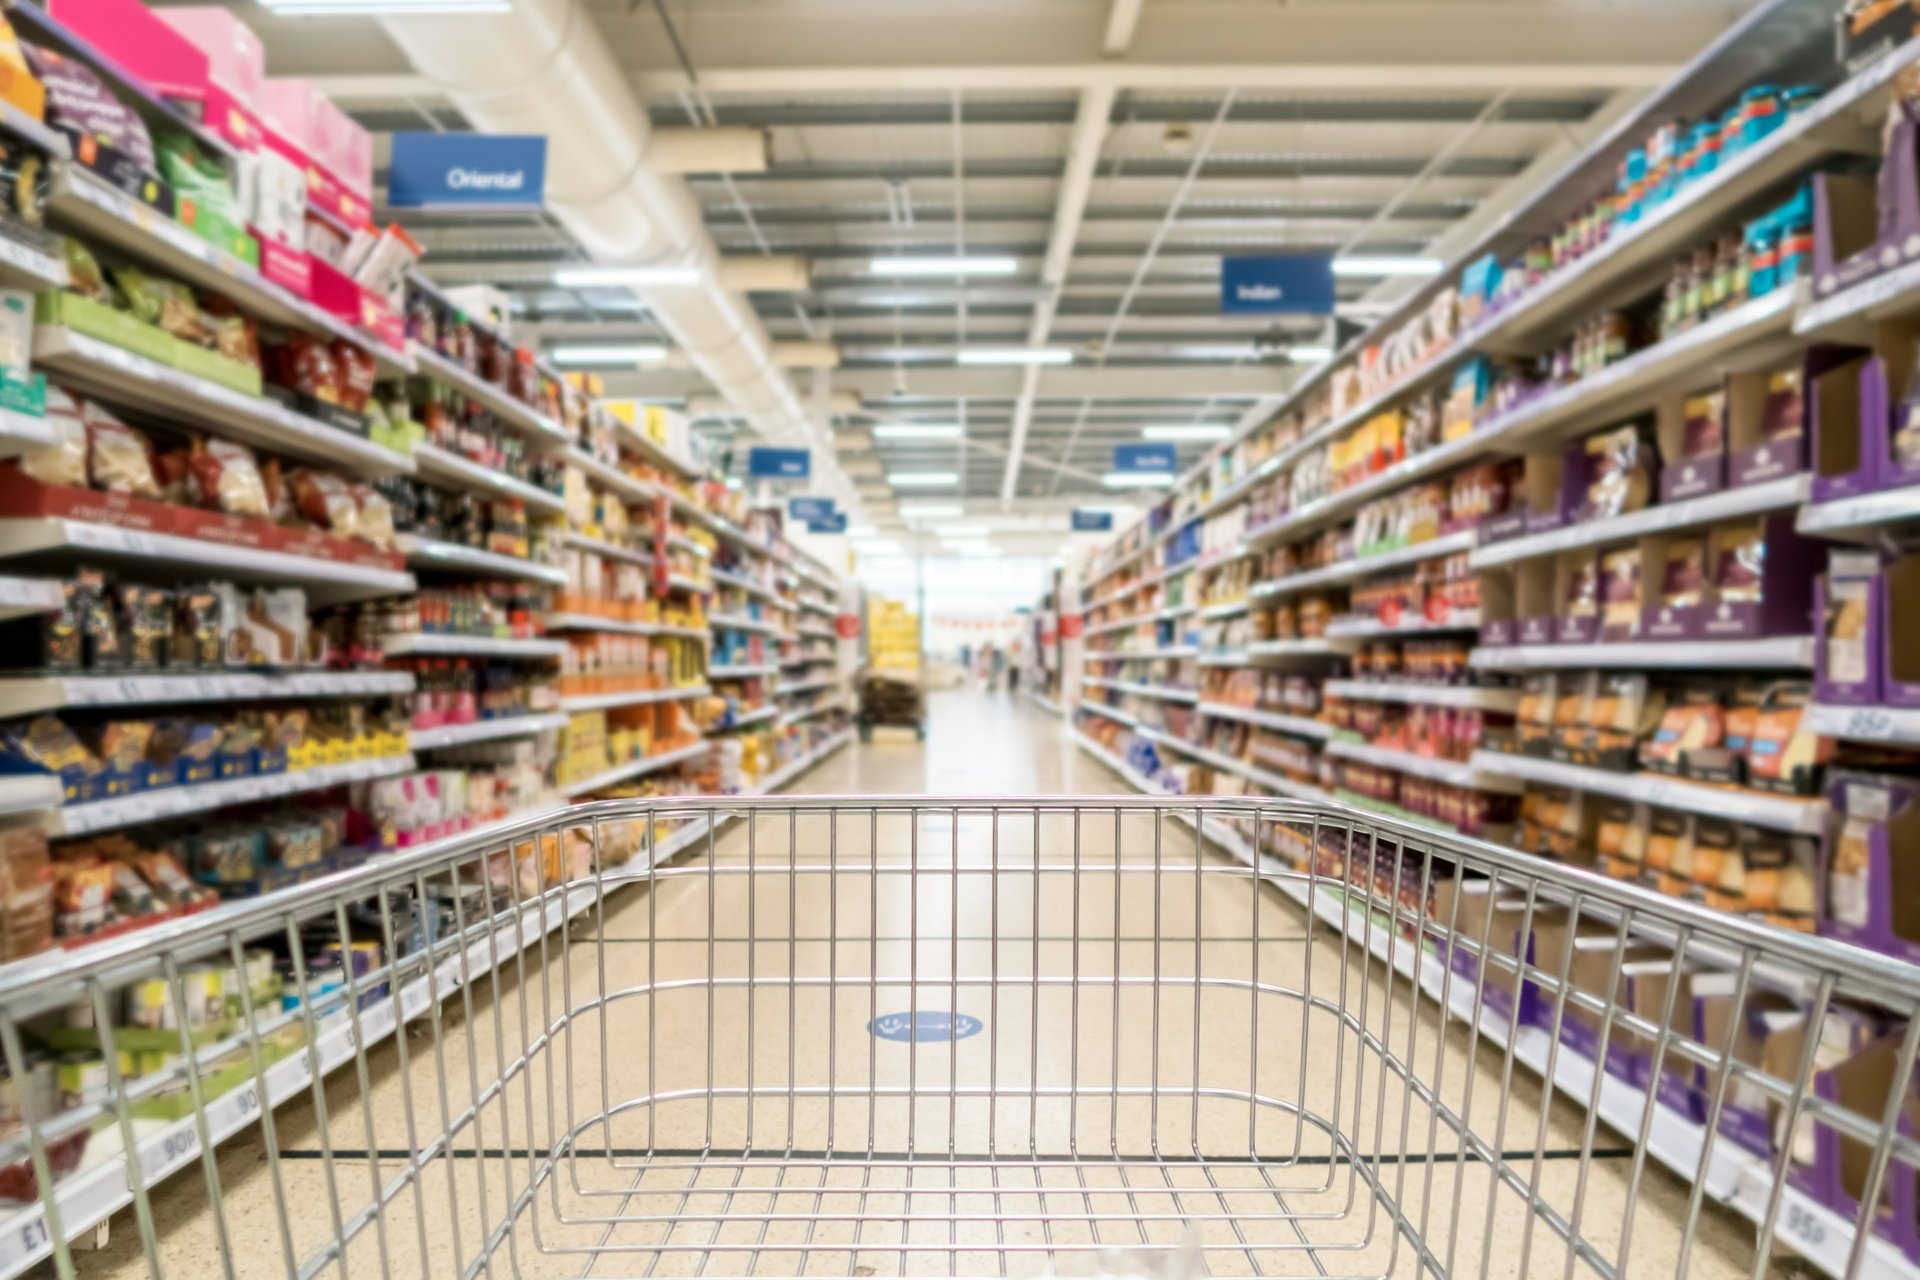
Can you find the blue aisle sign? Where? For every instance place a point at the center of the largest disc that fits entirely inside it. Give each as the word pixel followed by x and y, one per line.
pixel 835 523
pixel 1143 459
pixel 1092 521
pixel 810 509
pixel 925 1026
pixel 1292 284
pixel 467 170
pixel 779 464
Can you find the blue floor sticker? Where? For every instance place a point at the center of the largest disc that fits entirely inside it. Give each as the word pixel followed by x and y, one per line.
pixel 925 1026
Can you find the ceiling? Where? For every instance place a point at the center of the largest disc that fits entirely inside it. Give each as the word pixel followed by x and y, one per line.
pixel 935 127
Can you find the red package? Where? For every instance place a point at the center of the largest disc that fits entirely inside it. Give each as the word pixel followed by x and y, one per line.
pixel 306 366
pixel 357 372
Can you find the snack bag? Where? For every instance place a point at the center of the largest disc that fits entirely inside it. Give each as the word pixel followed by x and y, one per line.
pixel 226 478
pixel 119 459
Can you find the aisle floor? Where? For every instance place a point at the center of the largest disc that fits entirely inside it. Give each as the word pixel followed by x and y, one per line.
pixel 1008 1173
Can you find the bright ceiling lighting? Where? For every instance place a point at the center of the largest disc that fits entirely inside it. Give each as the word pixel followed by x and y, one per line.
pixel 358 8
pixel 861 531
pixel 1387 265
pixel 1309 354
pixel 919 266
pixel 1137 479
pixel 1014 355
pixel 973 553
pixel 1185 431
pixel 632 277
pixel 922 479
pixel 931 510
pixel 917 431
pixel 636 353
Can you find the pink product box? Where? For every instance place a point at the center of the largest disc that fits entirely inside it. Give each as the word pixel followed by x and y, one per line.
pixel 336 153
pixel 235 57
pixel 134 36
pixel 291 269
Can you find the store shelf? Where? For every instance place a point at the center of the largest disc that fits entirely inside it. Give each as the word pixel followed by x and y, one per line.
pixel 747 719
pixel 1132 776
pixel 1738 804
pixel 1667 655
pixel 130 381
pixel 740 622
pixel 1142 655
pixel 455 735
pixel 1863 518
pixel 1301 726
pixel 727 578
pixel 1354 568
pixel 24 597
pixel 1169 613
pixel 612 478
pixel 29 695
pixel 172 802
pixel 1231 609
pixel 26 266
pixel 632 437
pixel 806 660
pixel 631 698
pixel 427 553
pixel 1455 773
pixel 453 471
pixel 76 198
pixel 787 773
pixel 1428 695
pixel 609 550
pixel 1111 713
pixel 693 586
pixel 635 769
pixel 328 581
pixel 820 607
pixel 812 632
pixel 429 644
pixel 799 714
pixel 1370 628
pixel 805 686
pixel 537 427
pixel 1893 726
pixel 1305 647
pixel 1042 701
pixel 619 626
pixel 681 542
pixel 1224 658
pixel 1775 495
pixel 741 671
pixel 1160 692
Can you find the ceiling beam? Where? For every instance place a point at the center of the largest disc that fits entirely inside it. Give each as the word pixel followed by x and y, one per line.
pixel 881 387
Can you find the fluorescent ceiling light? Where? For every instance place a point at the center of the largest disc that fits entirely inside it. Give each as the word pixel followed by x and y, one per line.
pixel 634 277
pixel 922 479
pixel 919 266
pixel 635 353
pixel 1137 479
pixel 1387 266
pixel 357 8
pixel 973 553
pixel 1309 354
pixel 917 431
pixel 1185 431
pixel 861 531
pixel 1014 355
pixel 930 510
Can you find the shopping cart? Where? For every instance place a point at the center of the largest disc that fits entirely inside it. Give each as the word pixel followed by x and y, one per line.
pixel 840 1036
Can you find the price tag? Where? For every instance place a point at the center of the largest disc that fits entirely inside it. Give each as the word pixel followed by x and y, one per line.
pixel 1868 722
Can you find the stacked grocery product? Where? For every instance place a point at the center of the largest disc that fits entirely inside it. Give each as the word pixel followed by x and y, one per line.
pixel 1596 549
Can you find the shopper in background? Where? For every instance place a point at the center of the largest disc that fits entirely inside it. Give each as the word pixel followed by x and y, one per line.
pixel 966 660
pixel 998 661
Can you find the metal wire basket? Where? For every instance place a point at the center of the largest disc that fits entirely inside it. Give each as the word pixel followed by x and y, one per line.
pixel 853 1036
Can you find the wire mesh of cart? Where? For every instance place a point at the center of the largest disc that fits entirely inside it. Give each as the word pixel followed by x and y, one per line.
pixel 865 1036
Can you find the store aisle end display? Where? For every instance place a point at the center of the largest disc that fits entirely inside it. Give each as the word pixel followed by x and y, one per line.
pixel 307 561
pixel 1609 563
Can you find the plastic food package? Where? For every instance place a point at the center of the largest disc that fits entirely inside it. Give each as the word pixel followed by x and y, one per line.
pixel 1740 553
pixel 1702 434
pixel 23 182
pixel 326 501
pixel 1683 578
pixel 119 459
pixel 84 275
pixel 1620 602
pixel 376 516
pixel 80 104
pixel 1619 481
pixel 306 366
pixel 165 303
pixel 65 460
pixel 199 178
pixel 226 478
pixel 356 375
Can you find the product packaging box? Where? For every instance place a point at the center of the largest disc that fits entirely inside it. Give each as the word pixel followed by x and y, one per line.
pixel 1870 869
pixel 1849 628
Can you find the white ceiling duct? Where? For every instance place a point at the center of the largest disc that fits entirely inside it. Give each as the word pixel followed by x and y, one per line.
pixel 544 68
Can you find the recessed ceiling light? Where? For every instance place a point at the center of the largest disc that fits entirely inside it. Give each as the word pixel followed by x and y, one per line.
pixel 922 479
pixel 1137 479
pixel 1387 265
pixel 1309 354
pixel 1185 431
pixel 917 431
pixel 633 277
pixel 637 353
pixel 930 510
pixel 929 266
pixel 1014 355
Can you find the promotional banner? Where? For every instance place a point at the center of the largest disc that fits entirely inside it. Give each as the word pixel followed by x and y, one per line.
pixel 1283 284
pixel 467 170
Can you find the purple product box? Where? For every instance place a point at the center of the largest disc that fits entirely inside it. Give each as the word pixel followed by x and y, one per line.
pixel 1825 1178
pixel 1785 601
pixel 1497 633
pixel 1861 905
pixel 1538 629
pixel 1846 407
pixel 1897 630
pixel 1848 672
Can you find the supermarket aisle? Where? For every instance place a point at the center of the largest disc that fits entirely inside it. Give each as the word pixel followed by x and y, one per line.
pixel 804 1200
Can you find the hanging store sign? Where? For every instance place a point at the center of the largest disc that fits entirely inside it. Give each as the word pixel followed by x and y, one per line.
pixel 779 464
pixel 1142 459
pixel 835 523
pixel 810 509
pixel 467 170
pixel 1290 283
pixel 1093 522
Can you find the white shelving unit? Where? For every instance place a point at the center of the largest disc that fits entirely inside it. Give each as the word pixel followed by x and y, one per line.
pixel 1454 773
pixel 635 769
pixel 594 622
pixel 1782 652
pixel 631 698
pixel 742 670
pixel 1731 504
pixel 455 735
pixel 426 553
pixel 173 802
pixel 1431 695
pixel 451 470
pixel 539 429
pixel 1300 726
pixel 428 644
pixel 29 695
pixel 740 622
pixel 1739 804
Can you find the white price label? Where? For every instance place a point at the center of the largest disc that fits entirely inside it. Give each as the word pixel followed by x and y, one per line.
pixel 178 1147
pixel 1803 1227
pixel 32 1236
pixel 1867 722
